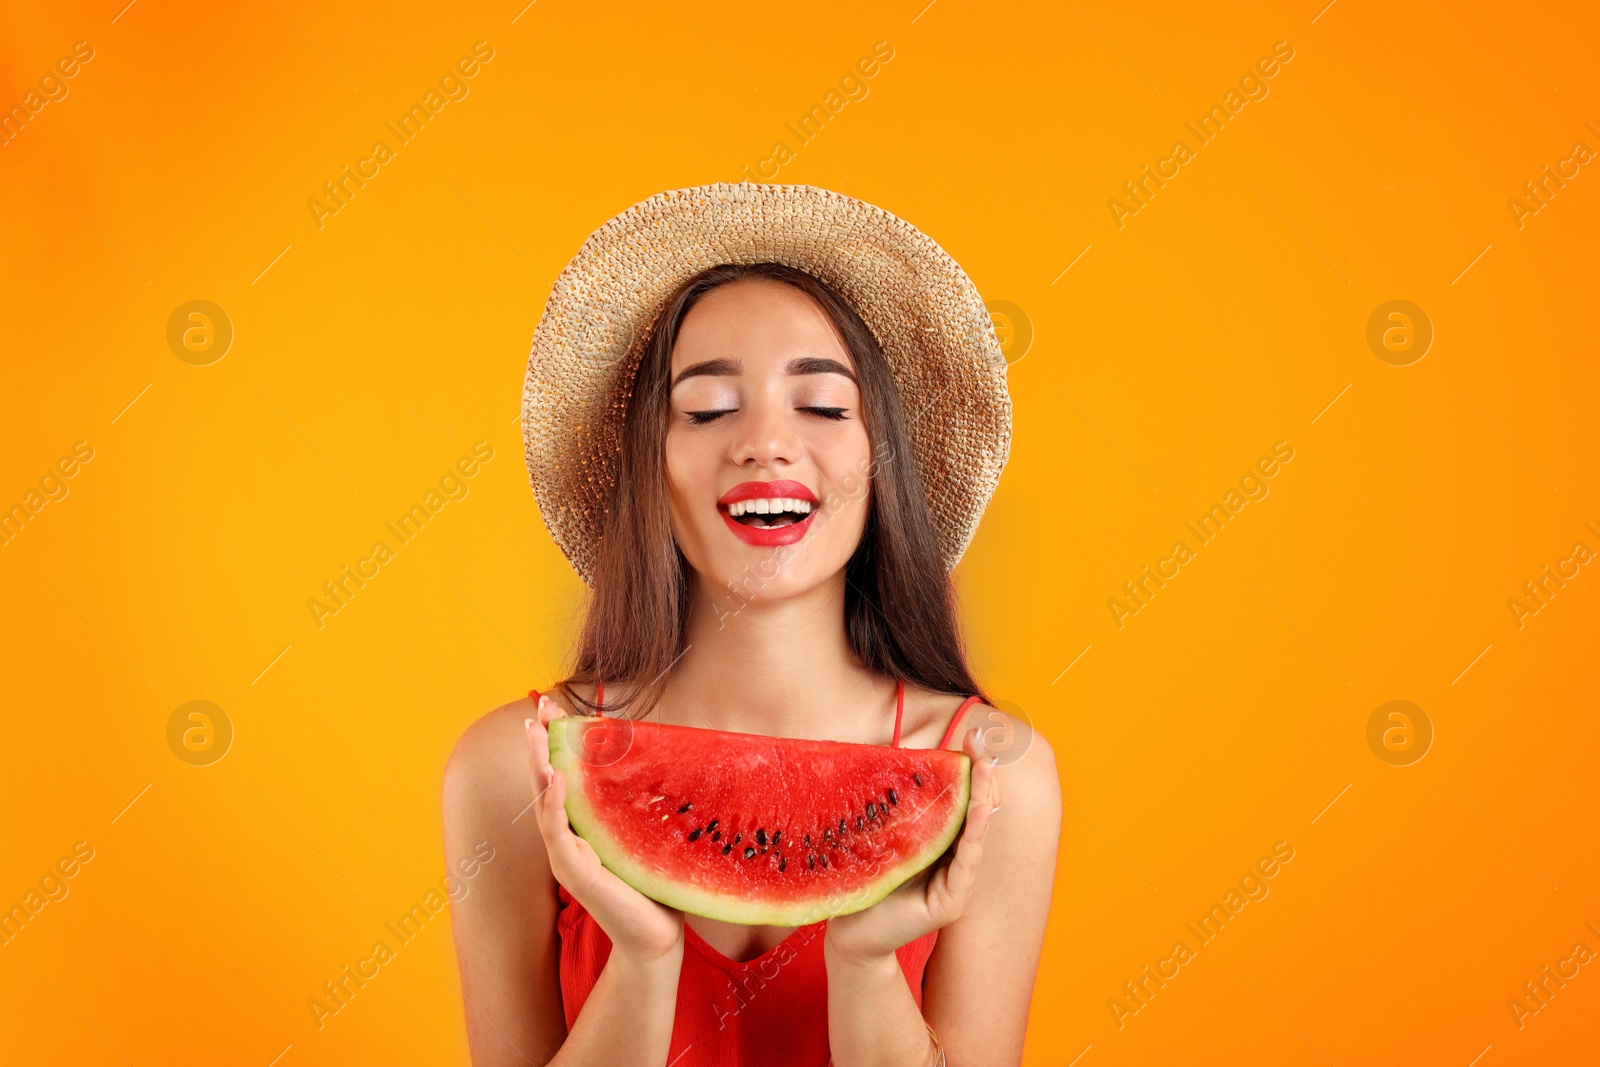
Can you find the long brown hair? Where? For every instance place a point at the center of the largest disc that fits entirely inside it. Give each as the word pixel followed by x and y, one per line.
pixel 899 602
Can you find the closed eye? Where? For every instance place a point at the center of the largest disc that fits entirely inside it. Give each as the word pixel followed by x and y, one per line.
pixel 701 418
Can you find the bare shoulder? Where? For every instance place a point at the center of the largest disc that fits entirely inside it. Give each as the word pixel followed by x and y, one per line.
pixel 505 920
pixel 1013 739
pixel 1023 755
pixel 1000 933
pixel 487 734
pixel 489 762
pixel 1029 780
pixel 488 769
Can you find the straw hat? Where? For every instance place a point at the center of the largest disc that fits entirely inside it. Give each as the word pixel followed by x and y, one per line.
pixel 924 311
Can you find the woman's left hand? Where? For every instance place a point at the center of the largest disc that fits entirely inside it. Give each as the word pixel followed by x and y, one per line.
pixel 935 897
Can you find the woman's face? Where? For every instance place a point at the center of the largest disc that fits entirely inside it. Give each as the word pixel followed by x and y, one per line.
pixel 767 453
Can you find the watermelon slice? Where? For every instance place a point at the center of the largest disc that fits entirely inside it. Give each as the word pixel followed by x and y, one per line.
pixel 750 829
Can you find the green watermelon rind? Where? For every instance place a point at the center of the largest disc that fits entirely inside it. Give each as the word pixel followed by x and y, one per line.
pixel 728 907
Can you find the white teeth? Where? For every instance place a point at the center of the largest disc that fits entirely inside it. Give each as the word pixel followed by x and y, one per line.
pixel 769 506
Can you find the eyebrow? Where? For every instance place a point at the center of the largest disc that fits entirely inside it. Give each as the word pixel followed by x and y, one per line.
pixel 798 365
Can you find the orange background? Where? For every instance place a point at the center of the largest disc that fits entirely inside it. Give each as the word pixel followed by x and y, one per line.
pixel 1225 316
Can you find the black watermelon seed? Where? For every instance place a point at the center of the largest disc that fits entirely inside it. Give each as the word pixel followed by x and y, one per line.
pixel 782 863
pixel 712 825
pixel 860 822
pixel 716 835
pixel 892 798
pixel 726 849
pixel 761 837
pixel 811 862
pixel 841 826
pixel 808 839
pixel 872 811
pixel 737 837
pixel 694 835
pixel 775 834
pixel 824 860
pixel 749 852
pixel 915 777
pixel 685 808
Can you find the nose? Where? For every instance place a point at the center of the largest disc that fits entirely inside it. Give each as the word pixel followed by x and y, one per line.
pixel 765 435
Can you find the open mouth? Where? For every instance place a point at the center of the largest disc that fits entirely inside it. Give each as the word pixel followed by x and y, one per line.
pixel 768 513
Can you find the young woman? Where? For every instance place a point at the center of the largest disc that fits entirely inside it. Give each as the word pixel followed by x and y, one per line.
pixel 768 526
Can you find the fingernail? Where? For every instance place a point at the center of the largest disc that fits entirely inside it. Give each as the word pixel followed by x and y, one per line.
pixel 527 724
pixel 994 809
pixel 993 760
pixel 549 776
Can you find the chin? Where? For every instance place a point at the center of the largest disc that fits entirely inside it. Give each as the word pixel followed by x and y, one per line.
pixel 766 577
pixel 756 575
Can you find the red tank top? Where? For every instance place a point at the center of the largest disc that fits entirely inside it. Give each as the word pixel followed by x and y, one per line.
pixel 771 1009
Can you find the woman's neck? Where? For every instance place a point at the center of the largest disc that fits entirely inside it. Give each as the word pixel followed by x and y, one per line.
pixel 781 667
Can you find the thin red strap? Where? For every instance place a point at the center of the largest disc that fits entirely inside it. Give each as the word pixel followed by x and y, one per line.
pixel 950 731
pixel 899 709
pixel 600 697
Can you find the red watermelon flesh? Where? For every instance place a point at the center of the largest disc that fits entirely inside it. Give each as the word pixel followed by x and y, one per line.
pixel 750 829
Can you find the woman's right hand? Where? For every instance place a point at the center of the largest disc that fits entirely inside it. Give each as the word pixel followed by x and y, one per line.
pixel 639 928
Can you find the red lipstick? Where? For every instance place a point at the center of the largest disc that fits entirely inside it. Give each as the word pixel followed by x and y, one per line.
pixel 768 536
pixel 784 487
